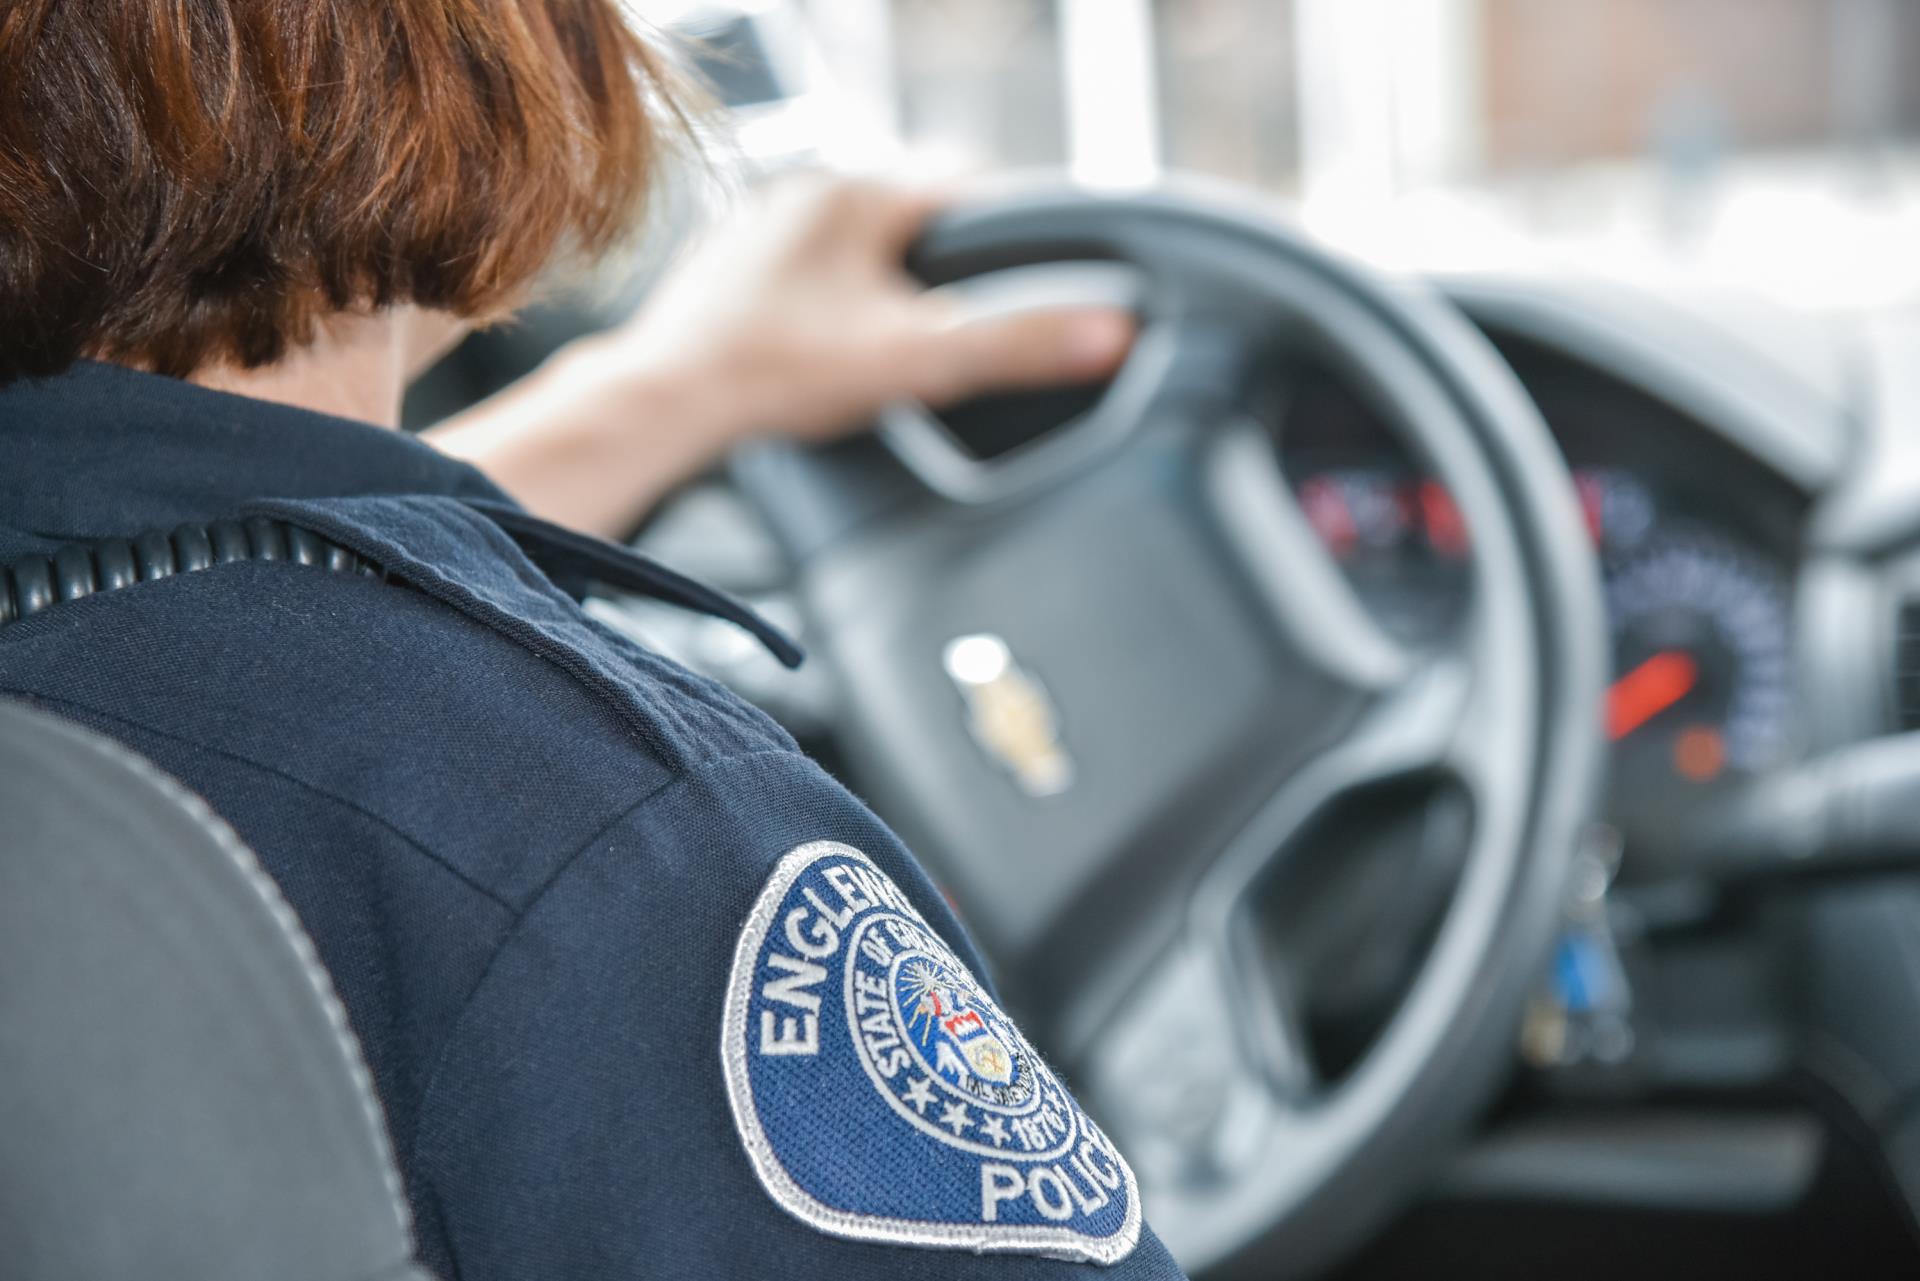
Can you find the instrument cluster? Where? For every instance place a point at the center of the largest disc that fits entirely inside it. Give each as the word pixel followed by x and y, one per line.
pixel 1696 542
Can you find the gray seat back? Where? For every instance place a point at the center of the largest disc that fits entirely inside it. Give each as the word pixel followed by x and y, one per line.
pixel 180 1097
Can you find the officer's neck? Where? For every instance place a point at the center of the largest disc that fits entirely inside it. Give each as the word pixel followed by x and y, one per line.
pixel 357 366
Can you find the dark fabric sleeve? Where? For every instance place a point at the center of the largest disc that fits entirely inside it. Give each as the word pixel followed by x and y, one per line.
pixel 581 1122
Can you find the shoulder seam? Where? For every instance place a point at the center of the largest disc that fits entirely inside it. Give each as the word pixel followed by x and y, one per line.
pixel 432 1080
pixel 667 784
pixel 413 842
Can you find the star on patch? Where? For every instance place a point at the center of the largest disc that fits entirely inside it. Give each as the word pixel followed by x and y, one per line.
pixel 954 1117
pixel 994 1129
pixel 920 1094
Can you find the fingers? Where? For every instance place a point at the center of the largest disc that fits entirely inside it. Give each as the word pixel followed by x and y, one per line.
pixel 901 213
pixel 833 316
pixel 1054 347
pixel 880 219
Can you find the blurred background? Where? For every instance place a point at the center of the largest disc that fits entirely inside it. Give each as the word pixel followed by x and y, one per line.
pixel 1765 145
pixel 1715 149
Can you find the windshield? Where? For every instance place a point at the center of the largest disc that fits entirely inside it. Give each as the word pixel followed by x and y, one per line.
pixel 1770 145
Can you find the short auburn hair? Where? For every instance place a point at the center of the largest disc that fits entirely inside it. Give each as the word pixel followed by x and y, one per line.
pixel 186 183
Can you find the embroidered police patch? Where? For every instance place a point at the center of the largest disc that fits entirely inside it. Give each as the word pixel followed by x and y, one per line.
pixel 883 1096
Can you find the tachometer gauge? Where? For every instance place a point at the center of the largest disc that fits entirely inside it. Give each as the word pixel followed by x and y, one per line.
pixel 1702 690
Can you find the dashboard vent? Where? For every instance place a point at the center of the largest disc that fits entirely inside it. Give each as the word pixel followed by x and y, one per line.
pixel 1906 664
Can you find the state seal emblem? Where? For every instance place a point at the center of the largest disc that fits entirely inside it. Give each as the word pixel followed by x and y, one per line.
pixel 882 1095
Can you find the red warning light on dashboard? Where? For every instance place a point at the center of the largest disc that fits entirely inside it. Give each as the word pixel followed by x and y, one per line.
pixel 1330 515
pixel 1593 503
pixel 1446 531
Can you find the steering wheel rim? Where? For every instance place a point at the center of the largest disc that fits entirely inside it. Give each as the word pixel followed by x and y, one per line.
pixel 1282 1175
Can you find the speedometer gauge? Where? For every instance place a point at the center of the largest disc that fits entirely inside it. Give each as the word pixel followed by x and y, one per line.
pixel 1702 689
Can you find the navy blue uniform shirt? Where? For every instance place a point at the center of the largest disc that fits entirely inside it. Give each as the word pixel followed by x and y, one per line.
pixel 644 992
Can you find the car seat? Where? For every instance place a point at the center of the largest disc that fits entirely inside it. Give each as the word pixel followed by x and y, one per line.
pixel 180 1096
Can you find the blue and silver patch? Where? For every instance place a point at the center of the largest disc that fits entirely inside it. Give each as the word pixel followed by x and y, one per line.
pixel 883 1096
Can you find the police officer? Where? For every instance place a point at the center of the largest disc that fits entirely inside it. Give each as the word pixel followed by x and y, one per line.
pixel 644 992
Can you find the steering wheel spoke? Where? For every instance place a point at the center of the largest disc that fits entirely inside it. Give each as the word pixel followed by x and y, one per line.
pixel 1274 1034
pixel 1220 1029
pixel 1183 1082
pixel 1415 725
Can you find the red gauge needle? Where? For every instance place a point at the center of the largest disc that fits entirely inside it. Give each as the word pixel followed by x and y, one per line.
pixel 1648 690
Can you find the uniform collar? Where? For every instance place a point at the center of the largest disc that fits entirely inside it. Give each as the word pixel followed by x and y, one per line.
pixel 106 452
pixel 101 452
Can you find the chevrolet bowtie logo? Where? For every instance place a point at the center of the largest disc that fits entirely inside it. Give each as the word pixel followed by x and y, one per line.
pixel 1009 713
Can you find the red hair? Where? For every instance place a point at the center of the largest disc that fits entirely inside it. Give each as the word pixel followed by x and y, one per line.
pixel 194 182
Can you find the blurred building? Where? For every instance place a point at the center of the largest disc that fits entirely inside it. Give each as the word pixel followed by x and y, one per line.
pixel 1550 81
pixel 981 79
pixel 1571 80
pixel 1772 141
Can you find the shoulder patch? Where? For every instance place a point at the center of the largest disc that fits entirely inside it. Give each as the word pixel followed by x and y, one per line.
pixel 882 1095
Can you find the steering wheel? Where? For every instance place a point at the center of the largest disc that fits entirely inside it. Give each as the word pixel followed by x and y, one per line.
pixel 1109 685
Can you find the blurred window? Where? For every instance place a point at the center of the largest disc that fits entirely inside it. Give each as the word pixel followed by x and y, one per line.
pixel 1227 92
pixel 1571 80
pixel 1765 143
pixel 979 80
